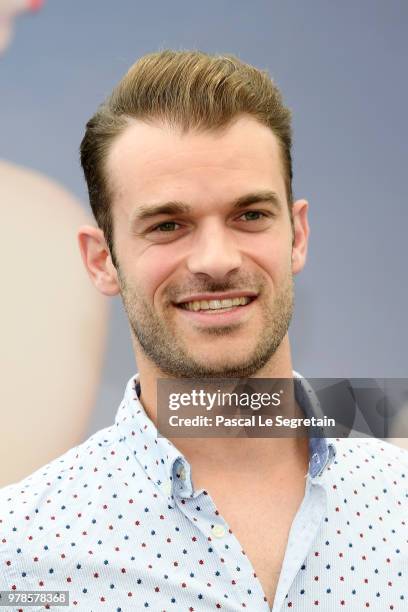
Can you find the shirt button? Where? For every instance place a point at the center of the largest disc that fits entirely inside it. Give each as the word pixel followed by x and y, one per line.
pixel 218 531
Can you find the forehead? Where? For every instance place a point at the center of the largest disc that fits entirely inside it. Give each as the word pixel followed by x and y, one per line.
pixel 149 162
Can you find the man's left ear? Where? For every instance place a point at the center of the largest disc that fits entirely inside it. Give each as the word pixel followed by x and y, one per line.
pixel 300 234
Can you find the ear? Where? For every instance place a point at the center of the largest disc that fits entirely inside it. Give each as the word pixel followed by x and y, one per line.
pixel 97 259
pixel 300 235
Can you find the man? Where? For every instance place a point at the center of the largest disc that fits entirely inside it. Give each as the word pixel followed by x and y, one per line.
pixel 188 166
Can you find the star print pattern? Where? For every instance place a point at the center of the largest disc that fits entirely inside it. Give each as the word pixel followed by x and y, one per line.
pixel 117 522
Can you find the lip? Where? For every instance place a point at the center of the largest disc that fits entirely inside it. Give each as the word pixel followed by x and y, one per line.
pixel 237 314
pixel 216 296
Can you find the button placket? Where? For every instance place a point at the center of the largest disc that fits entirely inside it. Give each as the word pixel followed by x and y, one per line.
pixel 238 568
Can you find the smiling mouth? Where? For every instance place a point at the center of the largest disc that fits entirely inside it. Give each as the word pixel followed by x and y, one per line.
pixel 216 306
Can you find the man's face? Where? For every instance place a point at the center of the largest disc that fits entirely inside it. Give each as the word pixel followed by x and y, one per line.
pixel 202 217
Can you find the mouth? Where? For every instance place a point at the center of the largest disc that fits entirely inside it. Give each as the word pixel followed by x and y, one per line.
pixel 216 306
pixel 225 311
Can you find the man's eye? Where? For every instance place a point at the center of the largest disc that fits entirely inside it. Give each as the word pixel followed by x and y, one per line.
pixel 253 215
pixel 167 226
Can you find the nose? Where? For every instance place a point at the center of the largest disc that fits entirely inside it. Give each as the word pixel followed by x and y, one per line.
pixel 214 252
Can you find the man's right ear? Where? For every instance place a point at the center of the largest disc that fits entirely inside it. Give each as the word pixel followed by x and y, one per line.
pixel 97 259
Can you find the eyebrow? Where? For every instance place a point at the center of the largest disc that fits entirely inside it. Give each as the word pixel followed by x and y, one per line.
pixel 144 212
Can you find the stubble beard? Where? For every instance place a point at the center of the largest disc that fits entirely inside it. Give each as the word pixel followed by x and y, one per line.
pixel 160 344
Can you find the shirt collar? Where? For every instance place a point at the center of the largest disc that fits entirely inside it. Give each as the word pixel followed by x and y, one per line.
pixel 321 451
pixel 157 455
pixel 169 469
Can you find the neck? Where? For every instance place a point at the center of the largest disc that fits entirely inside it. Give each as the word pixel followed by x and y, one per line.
pixel 235 455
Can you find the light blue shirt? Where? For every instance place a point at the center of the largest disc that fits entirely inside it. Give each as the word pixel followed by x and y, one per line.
pixel 117 522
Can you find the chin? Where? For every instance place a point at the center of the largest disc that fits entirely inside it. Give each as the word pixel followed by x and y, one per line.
pixel 222 362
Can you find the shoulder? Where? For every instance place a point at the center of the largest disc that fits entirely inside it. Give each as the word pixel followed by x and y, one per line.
pixel 46 513
pixel 372 465
pixel 26 505
pixel 371 451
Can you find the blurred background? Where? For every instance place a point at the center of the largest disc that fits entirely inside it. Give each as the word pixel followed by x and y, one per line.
pixel 341 69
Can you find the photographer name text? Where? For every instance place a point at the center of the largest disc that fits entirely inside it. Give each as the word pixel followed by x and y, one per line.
pixel 254 420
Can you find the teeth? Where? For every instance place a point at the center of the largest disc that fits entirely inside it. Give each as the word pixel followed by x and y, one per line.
pixel 215 304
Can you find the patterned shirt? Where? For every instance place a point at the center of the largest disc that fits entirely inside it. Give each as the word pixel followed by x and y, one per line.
pixel 117 522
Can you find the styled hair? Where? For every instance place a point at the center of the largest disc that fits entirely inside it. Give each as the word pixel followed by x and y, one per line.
pixel 190 90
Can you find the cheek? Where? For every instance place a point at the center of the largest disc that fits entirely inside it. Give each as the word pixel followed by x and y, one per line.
pixel 272 255
pixel 152 272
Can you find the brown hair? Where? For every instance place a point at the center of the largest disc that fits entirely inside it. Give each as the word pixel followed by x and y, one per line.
pixel 187 89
